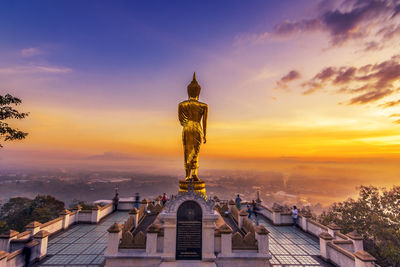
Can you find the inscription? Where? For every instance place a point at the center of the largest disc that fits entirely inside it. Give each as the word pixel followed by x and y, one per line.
pixel 188 232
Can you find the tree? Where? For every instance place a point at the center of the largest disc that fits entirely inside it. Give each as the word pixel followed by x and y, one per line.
pixel 375 215
pixel 83 204
pixel 8 112
pixel 19 211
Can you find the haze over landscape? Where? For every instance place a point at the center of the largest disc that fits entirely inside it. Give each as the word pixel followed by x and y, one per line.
pixel 303 96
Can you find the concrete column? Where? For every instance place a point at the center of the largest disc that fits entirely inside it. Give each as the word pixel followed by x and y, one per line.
pixel 304 221
pixel 134 213
pixel 3 258
pixel 324 238
pixel 357 239
pixel 158 201
pixel 151 243
pixel 333 229
pixel 151 238
pixel 226 240
pixel 6 238
pixel 208 238
pixel 65 214
pixel 34 227
pixel 242 214
pixel 262 236
pixel 276 216
pixel 258 200
pixel 114 235
pixel 231 203
pixel 78 208
pixel 364 259
pixel 95 214
pixel 169 237
pixel 144 203
pixel 42 238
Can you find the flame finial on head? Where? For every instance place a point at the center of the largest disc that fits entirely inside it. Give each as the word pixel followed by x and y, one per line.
pixel 194 88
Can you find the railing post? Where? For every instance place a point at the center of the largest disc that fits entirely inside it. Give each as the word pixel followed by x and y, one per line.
pixel 151 238
pixel 226 240
pixel 169 244
pixel 42 238
pixel 357 239
pixel 95 214
pixel 262 236
pixel 304 221
pixel 78 208
pixel 242 214
pixel 3 258
pixel 114 235
pixel 324 238
pixel 364 259
pixel 65 214
pixel 34 227
pixel 144 203
pixel 231 203
pixel 135 215
pixel 333 229
pixel 6 238
pixel 276 216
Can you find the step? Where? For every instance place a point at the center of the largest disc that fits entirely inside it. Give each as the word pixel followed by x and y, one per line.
pixel 189 263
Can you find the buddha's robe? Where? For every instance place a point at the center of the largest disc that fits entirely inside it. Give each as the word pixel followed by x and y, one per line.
pixel 190 113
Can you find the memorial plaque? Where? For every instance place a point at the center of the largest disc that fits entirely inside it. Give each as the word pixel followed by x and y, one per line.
pixel 188 231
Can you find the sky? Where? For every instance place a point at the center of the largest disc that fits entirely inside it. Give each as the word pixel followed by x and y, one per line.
pixel 309 81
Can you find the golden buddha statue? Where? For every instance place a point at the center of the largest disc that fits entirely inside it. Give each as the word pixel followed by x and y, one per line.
pixel 192 113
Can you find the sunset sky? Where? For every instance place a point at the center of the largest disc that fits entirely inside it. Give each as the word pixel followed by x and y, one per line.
pixel 311 80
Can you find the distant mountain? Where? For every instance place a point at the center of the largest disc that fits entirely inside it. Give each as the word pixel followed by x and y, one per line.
pixel 111 156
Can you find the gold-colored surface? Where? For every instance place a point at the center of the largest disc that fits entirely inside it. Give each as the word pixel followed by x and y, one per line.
pixel 198 186
pixel 191 113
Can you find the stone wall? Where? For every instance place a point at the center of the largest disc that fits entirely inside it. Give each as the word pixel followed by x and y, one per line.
pixel 12 242
pixel 85 216
pixel 312 226
pixel 38 246
pixel 53 226
pixel 340 257
pixel 335 247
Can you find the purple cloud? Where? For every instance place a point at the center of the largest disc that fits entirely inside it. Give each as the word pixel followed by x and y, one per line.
pixel 291 76
pixel 370 97
pixel 351 20
pixel 374 81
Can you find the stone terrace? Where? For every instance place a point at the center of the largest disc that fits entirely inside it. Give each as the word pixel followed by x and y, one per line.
pixel 82 244
pixel 290 246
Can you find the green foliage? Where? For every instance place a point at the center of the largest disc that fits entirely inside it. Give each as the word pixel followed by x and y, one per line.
pixel 8 112
pixel 3 227
pixel 375 215
pixel 83 204
pixel 19 211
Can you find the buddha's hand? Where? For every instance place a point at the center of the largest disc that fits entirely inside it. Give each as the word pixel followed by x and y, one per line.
pixel 204 139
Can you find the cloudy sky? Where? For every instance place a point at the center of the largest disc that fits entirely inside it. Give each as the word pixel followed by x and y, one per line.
pixel 310 80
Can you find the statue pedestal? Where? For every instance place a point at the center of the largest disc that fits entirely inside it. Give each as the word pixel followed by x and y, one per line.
pixel 199 187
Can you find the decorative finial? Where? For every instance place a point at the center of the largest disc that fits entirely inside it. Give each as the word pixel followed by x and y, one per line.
pixel 194 88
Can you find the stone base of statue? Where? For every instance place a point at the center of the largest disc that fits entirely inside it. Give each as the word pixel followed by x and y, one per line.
pixel 198 186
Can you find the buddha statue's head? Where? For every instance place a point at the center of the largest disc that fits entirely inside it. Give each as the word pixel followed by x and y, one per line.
pixel 194 88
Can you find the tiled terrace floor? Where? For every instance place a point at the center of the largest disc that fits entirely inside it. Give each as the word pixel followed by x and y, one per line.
pixel 291 247
pixel 82 245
